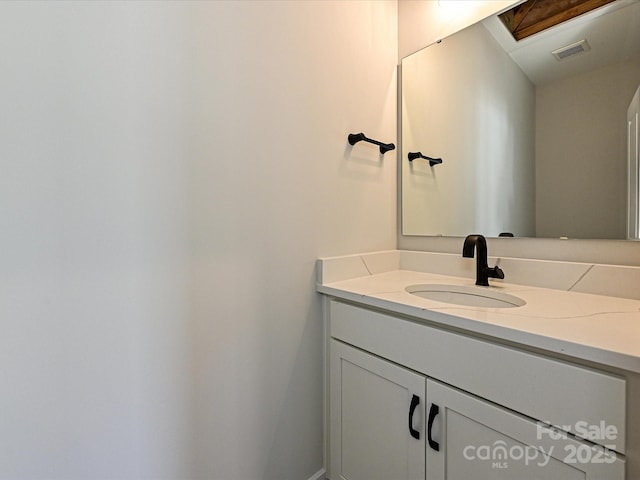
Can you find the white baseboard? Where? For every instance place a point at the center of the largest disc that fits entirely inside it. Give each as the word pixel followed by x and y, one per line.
pixel 319 475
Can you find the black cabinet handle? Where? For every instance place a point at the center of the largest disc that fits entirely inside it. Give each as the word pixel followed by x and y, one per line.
pixel 433 412
pixel 415 401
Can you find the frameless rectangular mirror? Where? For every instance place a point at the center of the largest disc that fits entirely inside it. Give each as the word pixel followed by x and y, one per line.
pixel 532 143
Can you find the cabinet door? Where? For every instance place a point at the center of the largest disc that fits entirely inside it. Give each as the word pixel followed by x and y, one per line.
pixel 469 438
pixel 376 418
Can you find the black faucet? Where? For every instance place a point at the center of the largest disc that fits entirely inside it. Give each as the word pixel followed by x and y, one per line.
pixel 483 271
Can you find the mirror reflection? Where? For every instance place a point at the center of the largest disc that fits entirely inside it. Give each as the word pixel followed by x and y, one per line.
pixel 532 143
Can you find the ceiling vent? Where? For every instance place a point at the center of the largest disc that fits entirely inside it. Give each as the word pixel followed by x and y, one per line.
pixel 571 50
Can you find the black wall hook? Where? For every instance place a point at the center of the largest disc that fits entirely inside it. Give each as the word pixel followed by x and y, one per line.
pixel 432 161
pixel 384 147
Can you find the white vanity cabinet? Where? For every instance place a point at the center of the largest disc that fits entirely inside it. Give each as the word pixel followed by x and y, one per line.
pixel 378 408
pixel 407 400
pixel 476 439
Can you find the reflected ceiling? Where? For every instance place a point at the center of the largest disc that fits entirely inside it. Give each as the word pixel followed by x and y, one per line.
pixel 534 16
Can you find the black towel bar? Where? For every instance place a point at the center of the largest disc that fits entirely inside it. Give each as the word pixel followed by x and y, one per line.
pixel 384 147
pixel 432 161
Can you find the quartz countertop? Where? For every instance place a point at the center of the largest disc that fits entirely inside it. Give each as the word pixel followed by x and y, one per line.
pixel 596 328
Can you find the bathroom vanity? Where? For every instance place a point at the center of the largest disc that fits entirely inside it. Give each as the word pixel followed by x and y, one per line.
pixel 415 388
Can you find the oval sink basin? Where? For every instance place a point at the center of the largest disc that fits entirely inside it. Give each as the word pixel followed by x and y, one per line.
pixel 466 295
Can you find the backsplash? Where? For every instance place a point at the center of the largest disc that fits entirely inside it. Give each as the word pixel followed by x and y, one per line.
pixel 598 279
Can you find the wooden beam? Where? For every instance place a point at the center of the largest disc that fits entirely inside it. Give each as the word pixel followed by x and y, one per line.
pixel 535 16
pixel 521 13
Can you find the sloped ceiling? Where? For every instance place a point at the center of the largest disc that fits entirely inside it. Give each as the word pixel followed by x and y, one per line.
pixel 612 31
pixel 534 16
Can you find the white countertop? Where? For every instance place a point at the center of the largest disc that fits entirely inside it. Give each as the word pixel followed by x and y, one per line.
pixel 596 328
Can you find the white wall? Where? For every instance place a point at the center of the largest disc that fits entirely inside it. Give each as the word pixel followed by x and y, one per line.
pixel 170 173
pixel 422 22
pixel 588 111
